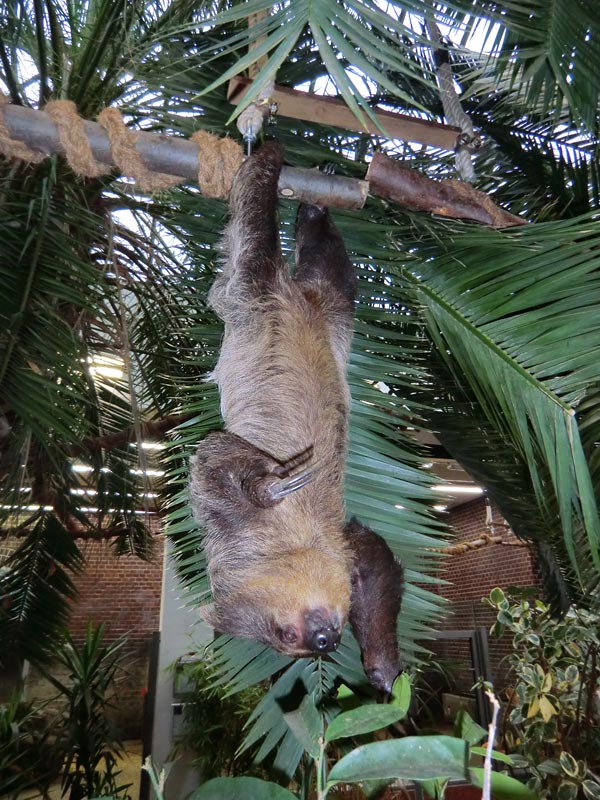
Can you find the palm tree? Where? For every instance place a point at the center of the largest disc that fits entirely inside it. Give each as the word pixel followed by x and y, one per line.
pixel 488 339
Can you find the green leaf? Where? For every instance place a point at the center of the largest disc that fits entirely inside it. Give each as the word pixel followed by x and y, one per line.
pixel 503 786
pixel 496 596
pixel 240 789
pixel 591 789
pixel 401 694
pixel 411 758
pixel 435 789
pixel 496 755
pixel 568 790
pixel 307 725
pixel 465 727
pixel 568 764
pixel 363 719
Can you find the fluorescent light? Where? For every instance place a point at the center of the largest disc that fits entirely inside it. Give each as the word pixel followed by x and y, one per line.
pixel 153 473
pixel 455 488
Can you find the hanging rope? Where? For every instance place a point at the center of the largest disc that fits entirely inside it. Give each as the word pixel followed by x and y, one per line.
pixel 453 111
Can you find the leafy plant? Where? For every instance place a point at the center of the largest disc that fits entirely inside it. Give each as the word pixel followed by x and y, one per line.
pixel 86 746
pixel 429 760
pixel 214 721
pixel 552 714
pixel 26 751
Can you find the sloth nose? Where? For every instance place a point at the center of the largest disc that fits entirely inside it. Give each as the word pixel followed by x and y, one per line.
pixel 324 640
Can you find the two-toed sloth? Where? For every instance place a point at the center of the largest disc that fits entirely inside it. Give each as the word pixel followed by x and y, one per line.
pixel 284 566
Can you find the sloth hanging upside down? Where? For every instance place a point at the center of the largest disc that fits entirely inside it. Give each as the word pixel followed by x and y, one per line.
pixel 284 566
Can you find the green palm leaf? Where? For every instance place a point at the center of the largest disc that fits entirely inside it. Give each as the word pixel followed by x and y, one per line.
pixel 36 587
pixel 512 313
pixel 358 34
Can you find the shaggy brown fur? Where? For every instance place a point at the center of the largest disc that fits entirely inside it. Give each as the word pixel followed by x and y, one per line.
pixel 268 490
pixel 377 584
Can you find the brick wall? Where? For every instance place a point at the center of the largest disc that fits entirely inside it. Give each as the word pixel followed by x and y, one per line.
pixel 124 592
pixel 121 591
pixel 471 576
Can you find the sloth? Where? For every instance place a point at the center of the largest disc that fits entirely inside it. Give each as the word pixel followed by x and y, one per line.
pixel 283 565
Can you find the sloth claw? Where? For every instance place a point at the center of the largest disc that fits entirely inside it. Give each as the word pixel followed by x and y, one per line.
pixel 290 480
pixel 266 489
pixel 282 488
pixel 287 468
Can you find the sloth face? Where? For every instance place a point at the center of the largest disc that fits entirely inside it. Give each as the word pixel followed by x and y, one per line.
pixel 309 632
pixel 296 607
pixel 318 631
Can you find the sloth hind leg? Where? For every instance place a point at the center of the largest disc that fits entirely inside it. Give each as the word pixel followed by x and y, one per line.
pixel 320 252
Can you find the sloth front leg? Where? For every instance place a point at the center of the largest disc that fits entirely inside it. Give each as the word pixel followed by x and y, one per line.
pixel 231 478
pixel 251 240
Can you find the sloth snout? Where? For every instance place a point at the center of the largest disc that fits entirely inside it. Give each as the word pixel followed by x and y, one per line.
pixel 324 640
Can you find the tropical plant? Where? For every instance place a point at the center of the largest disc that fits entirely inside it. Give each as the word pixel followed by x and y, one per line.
pixel 26 752
pixel 430 761
pixel 86 745
pixel 552 714
pixel 213 721
pixel 488 339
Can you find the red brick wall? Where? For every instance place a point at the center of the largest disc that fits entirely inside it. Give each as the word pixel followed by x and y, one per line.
pixel 471 576
pixel 121 591
pixel 124 592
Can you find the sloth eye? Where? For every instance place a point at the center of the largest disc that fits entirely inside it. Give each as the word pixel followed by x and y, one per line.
pixel 288 634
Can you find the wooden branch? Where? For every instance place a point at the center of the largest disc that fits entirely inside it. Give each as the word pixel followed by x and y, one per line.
pixel 448 198
pixel 335 113
pixel 484 540
pixel 176 156
pixel 386 177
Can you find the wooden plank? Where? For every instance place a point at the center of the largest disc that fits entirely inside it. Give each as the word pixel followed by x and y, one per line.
pixel 335 113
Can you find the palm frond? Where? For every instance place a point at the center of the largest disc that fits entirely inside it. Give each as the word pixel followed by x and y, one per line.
pixel 546 54
pixel 359 35
pixel 36 587
pixel 512 315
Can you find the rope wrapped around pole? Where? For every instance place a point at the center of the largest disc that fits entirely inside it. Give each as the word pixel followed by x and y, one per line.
pixel 157 161
pixel 199 159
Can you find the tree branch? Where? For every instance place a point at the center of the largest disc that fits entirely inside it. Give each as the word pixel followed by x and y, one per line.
pixel 448 198
pixel 386 177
